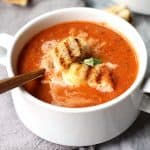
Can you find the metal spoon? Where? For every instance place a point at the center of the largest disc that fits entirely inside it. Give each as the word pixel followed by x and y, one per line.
pixel 19 80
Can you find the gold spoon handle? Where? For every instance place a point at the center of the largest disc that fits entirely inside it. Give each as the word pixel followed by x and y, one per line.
pixel 19 80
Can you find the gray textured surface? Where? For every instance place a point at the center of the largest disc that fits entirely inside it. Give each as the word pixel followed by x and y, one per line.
pixel 13 134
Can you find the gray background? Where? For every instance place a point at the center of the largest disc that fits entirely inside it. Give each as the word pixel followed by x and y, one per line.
pixel 13 134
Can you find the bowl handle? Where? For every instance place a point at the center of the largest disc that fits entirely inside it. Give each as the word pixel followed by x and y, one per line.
pixel 145 105
pixel 6 42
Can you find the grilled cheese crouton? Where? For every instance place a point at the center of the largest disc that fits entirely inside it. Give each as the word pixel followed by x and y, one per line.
pixel 106 83
pixel 46 61
pixel 100 77
pixel 73 46
pixel 67 51
pixel 75 75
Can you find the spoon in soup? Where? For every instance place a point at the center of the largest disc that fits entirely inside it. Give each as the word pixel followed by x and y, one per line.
pixel 19 80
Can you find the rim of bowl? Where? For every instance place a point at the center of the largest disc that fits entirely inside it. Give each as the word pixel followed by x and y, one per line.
pixel 135 84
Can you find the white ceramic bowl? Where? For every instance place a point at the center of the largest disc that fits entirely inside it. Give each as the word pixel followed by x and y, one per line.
pixel 76 126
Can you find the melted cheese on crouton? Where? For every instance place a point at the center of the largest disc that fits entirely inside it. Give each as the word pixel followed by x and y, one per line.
pixel 75 75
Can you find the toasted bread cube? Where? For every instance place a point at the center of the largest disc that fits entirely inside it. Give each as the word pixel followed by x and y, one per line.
pixel 106 83
pixel 60 56
pixel 68 51
pixel 73 47
pixel 100 78
pixel 17 2
pixel 121 11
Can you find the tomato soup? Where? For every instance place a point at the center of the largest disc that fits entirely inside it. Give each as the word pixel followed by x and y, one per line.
pixel 105 44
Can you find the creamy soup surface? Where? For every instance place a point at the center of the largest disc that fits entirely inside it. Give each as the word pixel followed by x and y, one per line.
pixel 86 64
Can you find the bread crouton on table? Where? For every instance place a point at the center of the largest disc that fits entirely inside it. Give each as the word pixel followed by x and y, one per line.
pixel 17 2
pixel 121 11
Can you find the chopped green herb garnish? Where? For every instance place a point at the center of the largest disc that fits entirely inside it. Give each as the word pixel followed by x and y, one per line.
pixel 92 61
